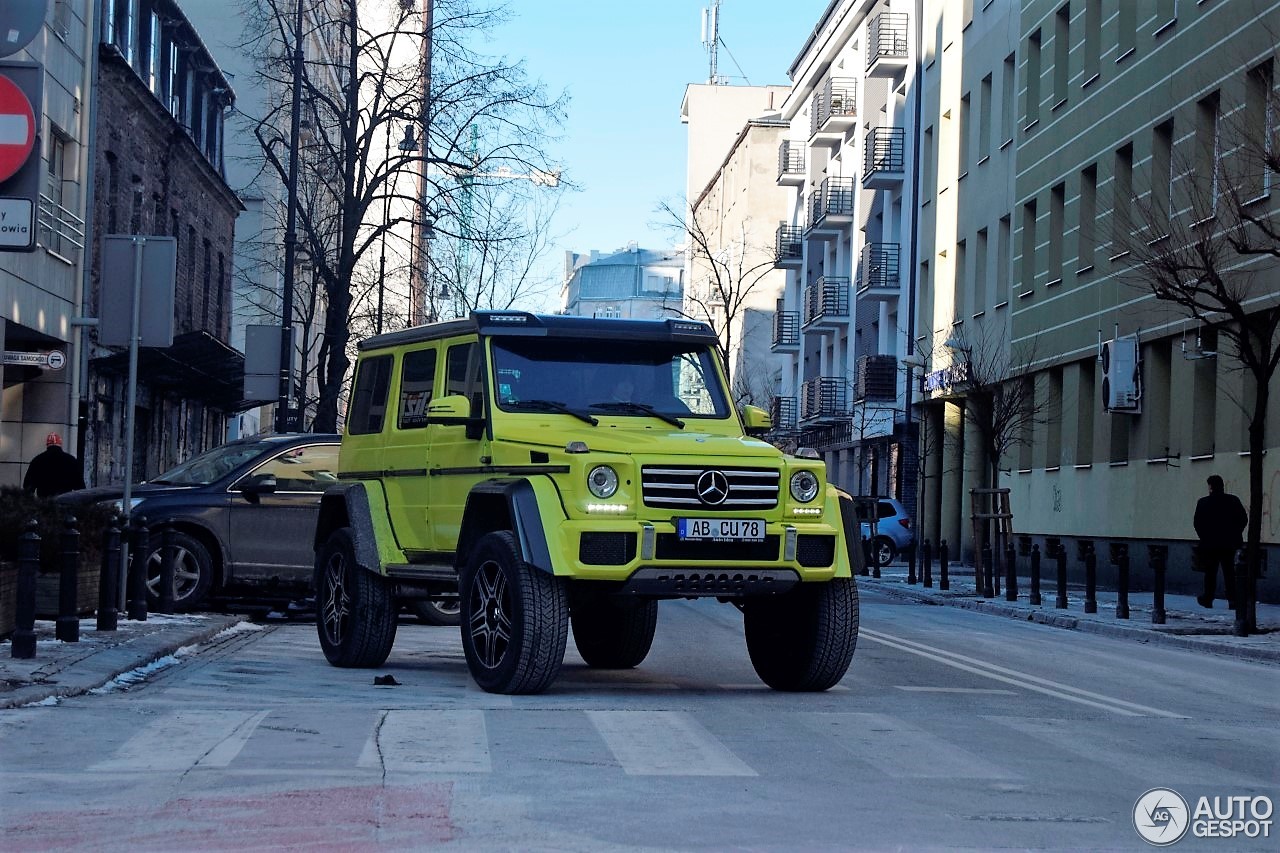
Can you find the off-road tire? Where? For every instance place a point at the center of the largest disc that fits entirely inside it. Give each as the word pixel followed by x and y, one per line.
pixel 515 619
pixel 882 551
pixel 435 612
pixel 355 611
pixel 192 572
pixel 803 640
pixel 611 632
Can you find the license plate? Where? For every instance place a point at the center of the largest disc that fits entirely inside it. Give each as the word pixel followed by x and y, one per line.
pixel 722 529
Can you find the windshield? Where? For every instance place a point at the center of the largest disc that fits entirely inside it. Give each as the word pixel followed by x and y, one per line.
pixel 211 465
pixel 634 379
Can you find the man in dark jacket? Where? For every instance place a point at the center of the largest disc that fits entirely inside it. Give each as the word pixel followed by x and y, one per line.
pixel 53 472
pixel 1220 521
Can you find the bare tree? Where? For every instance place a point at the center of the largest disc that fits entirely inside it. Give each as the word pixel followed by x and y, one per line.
pixel 362 83
pixel 1207 240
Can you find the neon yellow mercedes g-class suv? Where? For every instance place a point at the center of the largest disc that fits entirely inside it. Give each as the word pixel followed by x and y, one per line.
pixel 550 473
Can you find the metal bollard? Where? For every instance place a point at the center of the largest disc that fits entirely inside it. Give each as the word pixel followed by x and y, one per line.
pixel 911 566
pixel 1061 556
pixel 140 550
pixel 1120 556
pixel 866 556
pixel 67 628
pixel 1010 574
pixel 982 583
pixel 1090 579
pixel 926 560
pixel 942 564
pixel 108 577
pixel 23 641
pixel 1158 556
pixel 168 557
pixel 1035 574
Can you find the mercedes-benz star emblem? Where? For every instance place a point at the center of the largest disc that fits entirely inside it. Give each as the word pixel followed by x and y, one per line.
pixel 713 487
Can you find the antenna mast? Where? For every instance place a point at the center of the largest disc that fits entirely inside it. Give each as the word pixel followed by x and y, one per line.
pixel 711 38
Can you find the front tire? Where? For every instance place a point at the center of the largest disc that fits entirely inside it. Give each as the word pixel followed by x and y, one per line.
pixel 803 640
pixel 612 632
pixel 515 619
pixel 882 551
pixel 192 572
pixel 355 611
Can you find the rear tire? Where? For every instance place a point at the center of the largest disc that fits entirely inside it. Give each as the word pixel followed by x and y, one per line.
pixel 515 619
pixel 882 551
pixel 355 611
pixel 612 632
pixel 803 640
pixel 192 572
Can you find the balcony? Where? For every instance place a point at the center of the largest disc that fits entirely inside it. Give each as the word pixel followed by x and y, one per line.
pixel 791 160
pixel 887 45
pixel 831 207
pixel 878 277
pixel 823 398
pixel 782 411
pixel 877 379
pixel 786 330
pixel 826 303
pixel 789 246
pixel 885 162
pixel 833 111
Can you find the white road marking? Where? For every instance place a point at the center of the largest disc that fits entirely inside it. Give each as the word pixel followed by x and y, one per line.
pixel 665 743
pixel 1019 679
pixel 992 690
pixel 184 740
pixel 900 750
pixel 429 742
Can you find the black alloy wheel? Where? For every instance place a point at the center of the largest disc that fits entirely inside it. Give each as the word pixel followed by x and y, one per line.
pixel 192 572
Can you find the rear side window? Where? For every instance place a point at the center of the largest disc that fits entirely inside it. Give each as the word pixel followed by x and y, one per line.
pixel 369 399
pixel 417 380
pixel 885 510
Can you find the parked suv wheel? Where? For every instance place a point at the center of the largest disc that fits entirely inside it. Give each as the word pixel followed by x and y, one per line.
pixel 192 572
pixel 434 612
pixel 882 551
pixel 355 612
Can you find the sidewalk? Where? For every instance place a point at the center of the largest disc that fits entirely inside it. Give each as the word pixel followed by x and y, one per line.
pixel 1187 624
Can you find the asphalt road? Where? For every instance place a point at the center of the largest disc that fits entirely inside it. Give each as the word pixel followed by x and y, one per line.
pixel 952 730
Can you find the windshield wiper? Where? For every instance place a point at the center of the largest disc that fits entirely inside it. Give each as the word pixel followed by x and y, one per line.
pixel 639 409
pixel 549 406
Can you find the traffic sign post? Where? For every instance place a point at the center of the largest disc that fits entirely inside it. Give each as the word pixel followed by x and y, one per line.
pixel 21 92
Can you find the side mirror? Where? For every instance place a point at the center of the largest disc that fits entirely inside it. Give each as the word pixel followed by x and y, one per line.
pixel 454 410
pixel 258 485
pixel 755 420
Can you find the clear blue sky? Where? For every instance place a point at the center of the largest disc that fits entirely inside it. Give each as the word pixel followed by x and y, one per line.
pixel 625 66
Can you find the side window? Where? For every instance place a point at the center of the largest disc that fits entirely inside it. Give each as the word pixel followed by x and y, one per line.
pixel 417 378
pixel 369 399
pixel 464 375
pixel 303 469
pixel 885 510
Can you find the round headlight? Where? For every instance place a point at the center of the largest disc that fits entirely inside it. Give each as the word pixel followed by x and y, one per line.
pixel 602 481
pixel 804 486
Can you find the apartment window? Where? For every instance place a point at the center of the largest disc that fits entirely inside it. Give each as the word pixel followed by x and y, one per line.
pixel 119 18
pixel 1032 107
pixel 927 164
pixel 959 296
pixel 1161 175
pixel 967 12
pixel 1166 14
pixel 55 182
pixel 1061 54
pixel 1092 40
pixel 1126 30
pixel 1007 90
pixel 926 301
pixel 1004 243
pixel 963 130
pixel 984 119
pixel 113 193
pixel 221 295
pixel 1259 129
pixel 1057 224
pixel 154 53
pixel 207 280
pixel 1085 412
pixel 1088 241
pixel 1208 152
pixel 1122 201
pixel 981 287
pixel 1028 277
pixel 1204 397
pixel 157 214
pixel 1053 420
pixel 1026 422
pixel 173 84
pixel 1155 399
pixel 191 276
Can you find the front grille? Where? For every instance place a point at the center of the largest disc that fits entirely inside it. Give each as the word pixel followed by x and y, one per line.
pixel 815 551
pixel 606 549
pixel 677 487
pixel 671 547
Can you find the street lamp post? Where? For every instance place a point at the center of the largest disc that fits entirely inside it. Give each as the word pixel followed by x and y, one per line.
pixel 283 403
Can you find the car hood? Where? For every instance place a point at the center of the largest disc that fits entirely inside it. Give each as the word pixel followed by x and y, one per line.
pixel 663 440
pixel 115 493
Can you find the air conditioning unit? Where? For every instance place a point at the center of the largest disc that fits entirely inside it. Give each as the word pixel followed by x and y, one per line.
pixel 1121 376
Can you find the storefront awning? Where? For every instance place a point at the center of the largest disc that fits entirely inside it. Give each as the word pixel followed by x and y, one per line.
pixel 198 366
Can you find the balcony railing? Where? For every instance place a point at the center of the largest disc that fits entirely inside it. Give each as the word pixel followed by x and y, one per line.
pixel 834 106
pixel 885 156
pixel 786 329
pixel 878 267
pixel 833 197
pixel 877 378
pixel 782 411
pixel 60 230
pixel 826 299
pixel 789 244
pixel 824 397
pixel 790 160
pixel 886 38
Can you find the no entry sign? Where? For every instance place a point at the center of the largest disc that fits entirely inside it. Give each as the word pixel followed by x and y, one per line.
pixel 17 128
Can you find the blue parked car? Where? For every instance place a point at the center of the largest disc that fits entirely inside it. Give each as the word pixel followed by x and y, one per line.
pixel 893 534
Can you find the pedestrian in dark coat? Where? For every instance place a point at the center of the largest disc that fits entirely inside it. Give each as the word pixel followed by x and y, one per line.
pixel 53 472
pixel 1220 521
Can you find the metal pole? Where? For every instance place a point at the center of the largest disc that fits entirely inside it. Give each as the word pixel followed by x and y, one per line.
pixel 290 235
pixel 108 617
pixel 926 559
pixel 1011 574
pixel 23 642
pixel 1035 574
pixel 1090 580
pixel 943 565
pixel 382 257
pixel 135 320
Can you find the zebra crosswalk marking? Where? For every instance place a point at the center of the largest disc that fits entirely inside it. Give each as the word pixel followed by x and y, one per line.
pixel 440 741
pixel 665 743
pixel 900 750
pixel 185 739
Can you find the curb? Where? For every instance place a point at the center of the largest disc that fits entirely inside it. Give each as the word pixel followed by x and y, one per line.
pixel 1089 626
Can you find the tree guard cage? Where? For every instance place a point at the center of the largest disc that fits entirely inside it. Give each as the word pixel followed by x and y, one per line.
pixel 992 525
